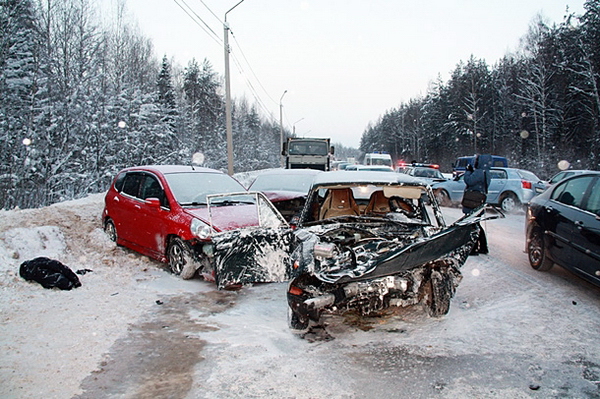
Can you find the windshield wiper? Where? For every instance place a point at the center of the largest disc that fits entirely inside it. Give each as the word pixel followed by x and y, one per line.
pixel 229 202
pixel 194 203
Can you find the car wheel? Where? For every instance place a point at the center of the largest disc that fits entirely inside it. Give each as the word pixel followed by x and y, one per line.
pixel 180 261
pixel 442 197
pixel 297 323
pixel 537 252
pixel 509 202
pixel 110 230
pixel 438 290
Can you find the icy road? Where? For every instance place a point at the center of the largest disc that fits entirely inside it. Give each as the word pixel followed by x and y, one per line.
pixel 134 331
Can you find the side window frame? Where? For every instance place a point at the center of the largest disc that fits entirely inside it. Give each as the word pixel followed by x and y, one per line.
pixel 137 178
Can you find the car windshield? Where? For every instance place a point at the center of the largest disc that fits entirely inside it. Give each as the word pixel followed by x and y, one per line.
pixel 284 182
pixel 191 188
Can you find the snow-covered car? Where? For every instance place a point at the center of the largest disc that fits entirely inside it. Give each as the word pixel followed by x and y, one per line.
pixel 509 189
pixel 367 241
pixel 174 213
pixel 285 188
pixel 430 173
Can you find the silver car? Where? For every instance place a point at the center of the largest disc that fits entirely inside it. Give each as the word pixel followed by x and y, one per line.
pixel 509 189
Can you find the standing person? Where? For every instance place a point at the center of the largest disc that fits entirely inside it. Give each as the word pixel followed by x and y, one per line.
pixel 477 180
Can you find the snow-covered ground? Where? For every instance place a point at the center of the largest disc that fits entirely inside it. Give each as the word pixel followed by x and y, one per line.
pixel 132 330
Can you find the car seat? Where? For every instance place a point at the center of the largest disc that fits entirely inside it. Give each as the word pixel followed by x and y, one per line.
pixel 339 202
pixel 378 204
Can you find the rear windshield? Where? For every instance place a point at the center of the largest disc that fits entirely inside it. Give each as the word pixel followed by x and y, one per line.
pixel 298 183
pixel 189 187
pixel 529 176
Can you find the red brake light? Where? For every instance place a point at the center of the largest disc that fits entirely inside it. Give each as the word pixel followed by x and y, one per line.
pixel 295 291
pixel 526 184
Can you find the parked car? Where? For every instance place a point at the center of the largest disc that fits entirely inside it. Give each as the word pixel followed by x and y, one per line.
pixel 563 174
pixel 372 168
pixel 285 188
pixel 367 241
pixel 460 165
pixel 509 189
pixel 429 173
pixel 563 227
pixel 172 213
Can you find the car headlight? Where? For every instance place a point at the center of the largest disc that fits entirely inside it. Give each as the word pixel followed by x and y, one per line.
pixel 200 229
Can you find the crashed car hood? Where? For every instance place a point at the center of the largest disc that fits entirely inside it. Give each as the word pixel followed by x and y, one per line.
pixel 263 255
pixel 227 218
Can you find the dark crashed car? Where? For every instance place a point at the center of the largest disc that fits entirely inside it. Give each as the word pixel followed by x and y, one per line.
pixel 285 188
pixel 563 227
pixel 367 241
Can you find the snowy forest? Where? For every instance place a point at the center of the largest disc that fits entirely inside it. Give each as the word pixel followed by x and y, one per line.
pixel 82 99
pixel 536 107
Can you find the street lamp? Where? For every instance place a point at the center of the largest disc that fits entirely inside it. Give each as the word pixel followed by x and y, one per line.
pixel 281 125
pixel 228 122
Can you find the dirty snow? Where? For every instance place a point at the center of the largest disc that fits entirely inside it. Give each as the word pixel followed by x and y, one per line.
pixel 133 330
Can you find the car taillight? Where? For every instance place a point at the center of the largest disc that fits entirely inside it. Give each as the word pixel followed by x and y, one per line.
pixel 526 184
pixel 295 291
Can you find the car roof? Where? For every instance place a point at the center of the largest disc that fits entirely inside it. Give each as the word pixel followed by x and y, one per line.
pixel 281 171
pixel 364 177
pixel 166 169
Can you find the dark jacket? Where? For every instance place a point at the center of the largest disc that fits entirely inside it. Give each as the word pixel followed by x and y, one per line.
pixel 480 178
pixel 49 273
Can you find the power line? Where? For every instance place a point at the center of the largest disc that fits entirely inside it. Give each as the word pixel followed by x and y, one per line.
pixel 214 15
pixel 251 70
pixel 210 32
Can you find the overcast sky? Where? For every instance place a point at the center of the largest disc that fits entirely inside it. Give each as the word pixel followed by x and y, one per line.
pixel 342 62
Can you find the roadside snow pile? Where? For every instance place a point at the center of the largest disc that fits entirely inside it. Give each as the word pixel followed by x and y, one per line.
pixel 49 333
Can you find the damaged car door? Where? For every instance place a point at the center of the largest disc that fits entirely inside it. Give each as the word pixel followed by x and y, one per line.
pixel 255 254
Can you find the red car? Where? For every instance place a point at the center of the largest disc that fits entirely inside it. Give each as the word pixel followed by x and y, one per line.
pixel 170 213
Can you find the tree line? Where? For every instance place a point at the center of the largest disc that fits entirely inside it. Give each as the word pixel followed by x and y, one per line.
pixel 82 100
pixel 537 107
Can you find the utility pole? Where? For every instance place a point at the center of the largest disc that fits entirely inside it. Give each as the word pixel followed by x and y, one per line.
pixel 281 125
pixel 228 122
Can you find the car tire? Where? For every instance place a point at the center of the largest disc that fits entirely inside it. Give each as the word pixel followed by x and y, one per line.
pixel 442 197
pixel 439 291
pixel 179 259
pixel 509 202
pixel 110 230
pixel 297 323
pixel 536 252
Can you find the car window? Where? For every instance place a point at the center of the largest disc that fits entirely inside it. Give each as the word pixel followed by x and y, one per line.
pixel 498 174
pixel 119 181
pixel 131 185
pixel 559 176
pixel 571 192
pixel 151 188
pixel 593 202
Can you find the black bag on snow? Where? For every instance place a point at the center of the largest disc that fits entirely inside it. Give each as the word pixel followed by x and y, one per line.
pixel 472 199
pixel 49 273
